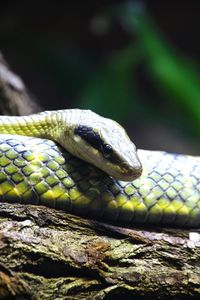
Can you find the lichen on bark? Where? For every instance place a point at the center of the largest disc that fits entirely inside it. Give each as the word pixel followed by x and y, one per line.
pixel 48 254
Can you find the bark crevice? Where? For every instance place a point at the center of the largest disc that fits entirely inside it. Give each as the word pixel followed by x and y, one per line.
pixel 80 259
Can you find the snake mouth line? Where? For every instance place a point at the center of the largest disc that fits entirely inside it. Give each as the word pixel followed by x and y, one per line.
pixel 125 173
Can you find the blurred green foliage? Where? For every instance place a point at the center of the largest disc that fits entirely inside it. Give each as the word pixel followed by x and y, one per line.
pixel 113 91
pixel 176 75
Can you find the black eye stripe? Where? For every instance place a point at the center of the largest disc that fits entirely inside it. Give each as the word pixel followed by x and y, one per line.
pixel 94 139
pixel 91 137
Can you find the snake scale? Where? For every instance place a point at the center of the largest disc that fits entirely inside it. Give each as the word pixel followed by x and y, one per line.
pixel 145 187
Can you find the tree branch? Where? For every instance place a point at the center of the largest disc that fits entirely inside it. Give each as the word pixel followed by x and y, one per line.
pixel 14 97
pixel 47 254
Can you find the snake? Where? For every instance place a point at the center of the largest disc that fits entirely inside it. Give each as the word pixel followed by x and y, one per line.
pixel 82 163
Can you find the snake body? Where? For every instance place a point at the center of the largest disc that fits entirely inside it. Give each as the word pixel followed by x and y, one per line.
pixel 41 172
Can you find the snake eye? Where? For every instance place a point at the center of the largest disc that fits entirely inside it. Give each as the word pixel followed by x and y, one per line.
pixel 94 139
pixel 106 150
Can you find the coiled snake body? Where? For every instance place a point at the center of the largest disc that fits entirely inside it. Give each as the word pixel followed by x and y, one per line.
pixel 39 171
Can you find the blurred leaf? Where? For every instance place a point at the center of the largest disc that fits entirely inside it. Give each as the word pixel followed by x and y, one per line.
pixel 112 92
pixel 174 74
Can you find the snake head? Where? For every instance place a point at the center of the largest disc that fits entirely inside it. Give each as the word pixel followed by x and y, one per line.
pixel 105 144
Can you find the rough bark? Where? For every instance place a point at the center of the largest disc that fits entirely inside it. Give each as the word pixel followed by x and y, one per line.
pixel 48 254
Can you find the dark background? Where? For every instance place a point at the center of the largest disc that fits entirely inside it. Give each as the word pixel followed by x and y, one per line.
pixel 134 61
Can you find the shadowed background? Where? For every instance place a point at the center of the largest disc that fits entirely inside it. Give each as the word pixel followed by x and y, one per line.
pixel 134 61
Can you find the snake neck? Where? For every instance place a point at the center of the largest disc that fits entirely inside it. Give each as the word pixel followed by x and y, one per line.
pixel 32 125
pixel 60 126
pixel 56 125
